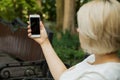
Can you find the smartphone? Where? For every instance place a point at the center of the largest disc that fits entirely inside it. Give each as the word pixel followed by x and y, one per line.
pixel 35 25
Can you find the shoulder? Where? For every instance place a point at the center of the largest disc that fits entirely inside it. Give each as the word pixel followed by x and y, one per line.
pixel 92 76
pixel 111 69
pixel 107 71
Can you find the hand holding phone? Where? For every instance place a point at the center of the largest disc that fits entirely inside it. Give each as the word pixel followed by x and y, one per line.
pixel 35 32
pixel 35 25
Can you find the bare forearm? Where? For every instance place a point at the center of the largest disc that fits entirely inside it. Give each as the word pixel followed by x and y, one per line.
pixel 56 66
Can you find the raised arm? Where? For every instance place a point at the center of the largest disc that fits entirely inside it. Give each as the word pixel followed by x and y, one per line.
pixel 56 66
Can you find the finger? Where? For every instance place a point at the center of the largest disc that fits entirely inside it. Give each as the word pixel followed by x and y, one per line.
pixel 29 30
pixel 41 25
pixel 28 26
pixel 29 35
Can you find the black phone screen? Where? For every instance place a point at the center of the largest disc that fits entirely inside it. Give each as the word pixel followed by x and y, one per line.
pixel 35 26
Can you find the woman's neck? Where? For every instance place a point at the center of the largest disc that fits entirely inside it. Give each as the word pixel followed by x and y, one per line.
pixel 110 57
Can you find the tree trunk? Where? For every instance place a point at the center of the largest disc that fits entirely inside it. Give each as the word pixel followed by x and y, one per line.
pixel 59 13
pixel 69 16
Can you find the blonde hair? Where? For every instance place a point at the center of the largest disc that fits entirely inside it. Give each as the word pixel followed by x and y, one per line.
pixel 99 24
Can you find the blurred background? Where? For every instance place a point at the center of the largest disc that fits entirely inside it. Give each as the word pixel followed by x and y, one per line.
pixel 57 15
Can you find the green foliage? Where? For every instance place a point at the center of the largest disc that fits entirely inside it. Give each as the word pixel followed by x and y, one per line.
pixel 49 9
pixel 10 9
pixel 67 47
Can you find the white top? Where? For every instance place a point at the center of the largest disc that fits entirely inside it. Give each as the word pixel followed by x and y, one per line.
pixel 86 71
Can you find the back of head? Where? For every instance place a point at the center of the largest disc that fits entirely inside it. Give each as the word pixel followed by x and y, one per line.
pixel 99 24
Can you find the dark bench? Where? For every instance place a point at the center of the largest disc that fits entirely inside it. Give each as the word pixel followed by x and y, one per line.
pixel 20 52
